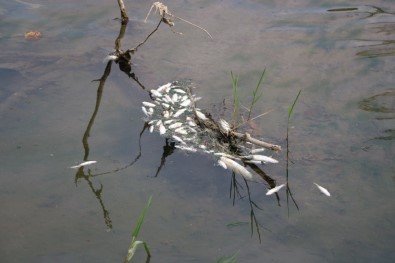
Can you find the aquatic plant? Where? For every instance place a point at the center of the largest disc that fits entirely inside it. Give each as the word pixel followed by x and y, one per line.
pixel 134 242
pixel 256 94
pixel 236 100
pixel 290 111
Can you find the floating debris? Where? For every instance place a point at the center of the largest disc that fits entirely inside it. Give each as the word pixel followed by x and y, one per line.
pixel 323 190
pixel 83 164
pixel 178 118
pixel 275 189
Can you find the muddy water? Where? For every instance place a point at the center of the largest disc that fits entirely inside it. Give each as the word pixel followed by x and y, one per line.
pixel 342 135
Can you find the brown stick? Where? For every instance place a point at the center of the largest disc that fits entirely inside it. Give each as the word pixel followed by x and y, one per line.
pixel 248 138
pixel 124 15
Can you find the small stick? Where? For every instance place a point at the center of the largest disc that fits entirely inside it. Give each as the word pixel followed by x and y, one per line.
pixel 248 138
pixel 186 21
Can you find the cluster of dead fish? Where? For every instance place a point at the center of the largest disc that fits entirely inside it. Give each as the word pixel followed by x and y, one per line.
pixel 173 114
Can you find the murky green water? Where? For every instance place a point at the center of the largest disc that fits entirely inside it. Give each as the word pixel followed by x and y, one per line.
pixel 340 55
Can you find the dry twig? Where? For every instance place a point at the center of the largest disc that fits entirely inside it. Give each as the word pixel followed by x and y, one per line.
pixel 163 11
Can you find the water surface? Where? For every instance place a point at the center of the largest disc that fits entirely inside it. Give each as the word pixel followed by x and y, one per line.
pixel 340 55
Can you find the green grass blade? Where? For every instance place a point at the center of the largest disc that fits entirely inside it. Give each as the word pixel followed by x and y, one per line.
pixel 141 218
pixel 256 94
pixel 291 108
pixel 228 259
pixel 135 243
pixel 236 100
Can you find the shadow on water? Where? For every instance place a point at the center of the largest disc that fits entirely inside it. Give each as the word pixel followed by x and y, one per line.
pixel 383 105
pixel 123 59
pixel 383 22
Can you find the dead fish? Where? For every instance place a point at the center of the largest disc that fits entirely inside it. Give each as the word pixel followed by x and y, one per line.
pixel 179 112
pixel 178 139
pixel 236 167
pixel 258 150
pixel 165 105
pixel 162 129
pixel 175 125
pixel 149 104
pixel 201 115
pixel 155 93
pixel 168 122
pixel 224 125
pixel 166 114
pixel 169 100
pixel 323 190
pixel 222 164
pixel 158 122
pixel 163 87
pixel 166 100
pixel 185 103
pixel 179 91
pixel 174 98
pixel 263 158
pixel 275 189
pixel 151 128
pixel 150 111
pixel 181 131
pixel 145 111
pixel 83 164
pixel 192 123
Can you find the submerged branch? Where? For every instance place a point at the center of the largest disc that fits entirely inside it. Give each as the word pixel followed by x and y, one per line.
pixel 124 15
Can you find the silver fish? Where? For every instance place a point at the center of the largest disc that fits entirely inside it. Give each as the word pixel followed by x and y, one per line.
pixel 179 112
pixel 179 91
pixel 175 125
pixel 185 103
pixel 155 93
pixel 163 87
pixel 275 189
pixel 201 115
pixel 181 131
pixel 174 98
pixel 323 190
pixel 145 111
pixel 236 167
pixel 175 137
pixel 83 164
pixel 162 129
pixel 149 104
